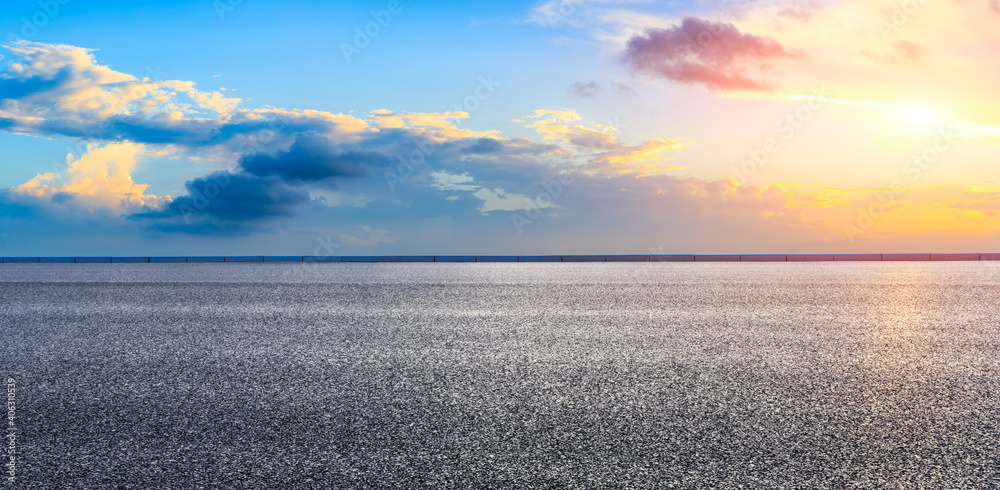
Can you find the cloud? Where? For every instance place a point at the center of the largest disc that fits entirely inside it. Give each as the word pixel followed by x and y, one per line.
pixel 275 157
pixel 226 196
pixel 313 158
pixel 910 51
pixel 603 153
pixel 995 6
pixel 555 12
pixel 623 89
pixel 438 126
pixel 450 182
pixel 101 178
pixel 714 54
pixel 575 13
pixel 802 12
pixel 60 90
pixel 499 200
pixel 62 81
pixel 902 52
pixel 485 145
pixel 287 169
pixel 639 160
pixel 585 89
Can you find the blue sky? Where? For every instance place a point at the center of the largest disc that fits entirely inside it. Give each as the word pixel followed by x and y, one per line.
pixel 652 135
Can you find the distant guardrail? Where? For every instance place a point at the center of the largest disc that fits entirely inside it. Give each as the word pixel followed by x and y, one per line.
pixel 895 257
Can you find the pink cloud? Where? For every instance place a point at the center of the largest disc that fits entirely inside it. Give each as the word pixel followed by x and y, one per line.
pixel 802 12
pixel 714 54
pixel 902 52
pixel 910 51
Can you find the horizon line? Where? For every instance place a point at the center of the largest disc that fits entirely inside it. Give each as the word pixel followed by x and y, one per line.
pixel 852 257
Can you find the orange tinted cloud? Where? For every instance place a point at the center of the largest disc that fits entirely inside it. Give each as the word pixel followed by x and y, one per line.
pixel 99 179
pixel 599 145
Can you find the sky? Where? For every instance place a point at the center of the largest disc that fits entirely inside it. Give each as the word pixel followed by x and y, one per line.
pixel 228 127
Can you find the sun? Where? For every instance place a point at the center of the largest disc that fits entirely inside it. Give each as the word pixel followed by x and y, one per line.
pixel 917 115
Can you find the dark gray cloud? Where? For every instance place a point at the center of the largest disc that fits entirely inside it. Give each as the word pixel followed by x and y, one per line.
pixel 313 158
pixel 486 145
pixel 62 198
pixel 227 196
pixel 585 89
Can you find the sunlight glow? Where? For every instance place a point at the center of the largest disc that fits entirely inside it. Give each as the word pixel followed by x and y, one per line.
pixel 918 115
